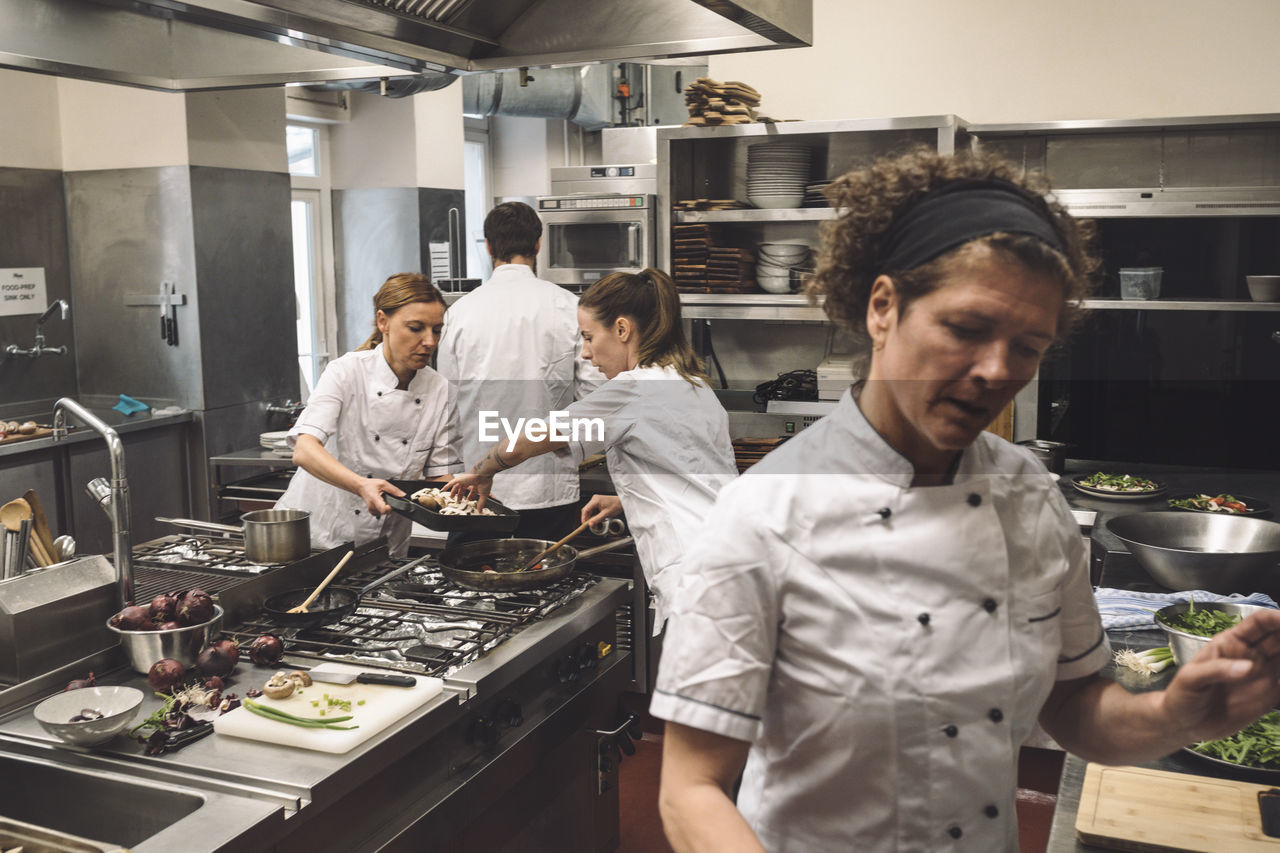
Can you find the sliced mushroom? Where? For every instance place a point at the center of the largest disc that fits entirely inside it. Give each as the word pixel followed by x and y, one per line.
pixel 302 679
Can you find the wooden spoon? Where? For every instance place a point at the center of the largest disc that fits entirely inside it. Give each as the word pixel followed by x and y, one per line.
pixel 40 525
pixel 12 515
pixel 302 608
pixel 538 559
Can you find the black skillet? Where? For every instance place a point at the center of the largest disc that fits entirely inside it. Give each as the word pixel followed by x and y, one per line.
pixel 331 605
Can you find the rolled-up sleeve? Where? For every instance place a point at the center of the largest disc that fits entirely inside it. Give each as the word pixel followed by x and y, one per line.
pixel 324 406
pixel 718 653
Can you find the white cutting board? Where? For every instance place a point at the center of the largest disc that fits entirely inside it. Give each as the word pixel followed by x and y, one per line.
pixel 383 705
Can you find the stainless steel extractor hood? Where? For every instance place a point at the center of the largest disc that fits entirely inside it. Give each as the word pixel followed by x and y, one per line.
pixel 189 45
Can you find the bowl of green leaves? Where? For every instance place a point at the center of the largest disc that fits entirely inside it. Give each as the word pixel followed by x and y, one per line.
pixel 1190 625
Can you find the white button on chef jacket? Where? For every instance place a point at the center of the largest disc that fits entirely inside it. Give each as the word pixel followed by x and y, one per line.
pixel 885 649
pixel 376 430
pixel 666 442
pixel 512 346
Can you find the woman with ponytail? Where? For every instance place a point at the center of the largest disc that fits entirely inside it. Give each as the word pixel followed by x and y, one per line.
pixel 377 413
pixel 665 435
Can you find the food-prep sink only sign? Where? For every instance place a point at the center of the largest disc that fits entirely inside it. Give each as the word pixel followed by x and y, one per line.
pixel 22 291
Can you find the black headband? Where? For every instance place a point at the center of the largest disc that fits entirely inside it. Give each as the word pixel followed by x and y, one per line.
pixel 958 212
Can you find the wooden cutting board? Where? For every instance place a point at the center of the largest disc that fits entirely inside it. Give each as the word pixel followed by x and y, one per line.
pixel 40 432
pixel 382 706
pixel 1132 808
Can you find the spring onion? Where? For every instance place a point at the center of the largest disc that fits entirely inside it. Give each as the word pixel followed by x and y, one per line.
pixel 1149 662
pixel 285 717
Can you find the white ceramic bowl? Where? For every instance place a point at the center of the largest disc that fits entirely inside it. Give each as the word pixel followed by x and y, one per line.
pixel 772 270
pixel 775 283
pixel 1263 288
pixel 777 201
pixel 118 705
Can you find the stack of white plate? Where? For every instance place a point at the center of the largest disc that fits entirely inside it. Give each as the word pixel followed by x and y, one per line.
pixel 813 194
pixel 276 442
pixel 777 174
pixel 775 262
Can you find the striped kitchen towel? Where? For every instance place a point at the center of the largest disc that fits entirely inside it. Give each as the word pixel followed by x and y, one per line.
pixel 1123 608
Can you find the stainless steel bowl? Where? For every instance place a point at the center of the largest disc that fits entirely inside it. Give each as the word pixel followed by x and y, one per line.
pixel 1192 550
pixel 1184 645
pixel 182 644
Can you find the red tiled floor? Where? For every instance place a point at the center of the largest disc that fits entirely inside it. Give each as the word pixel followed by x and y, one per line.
pixel 641 827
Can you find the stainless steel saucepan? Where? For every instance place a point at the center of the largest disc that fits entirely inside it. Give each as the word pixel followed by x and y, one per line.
pixel 270 535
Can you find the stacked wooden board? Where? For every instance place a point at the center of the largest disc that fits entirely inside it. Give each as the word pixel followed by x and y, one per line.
pixel 749 451
pixel 714 103
pixel 705 259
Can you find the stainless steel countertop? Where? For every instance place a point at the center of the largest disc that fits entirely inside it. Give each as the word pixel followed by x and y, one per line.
pixel 275 782
pixel 122 424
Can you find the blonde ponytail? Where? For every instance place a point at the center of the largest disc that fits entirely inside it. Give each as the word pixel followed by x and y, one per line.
pixel 652 302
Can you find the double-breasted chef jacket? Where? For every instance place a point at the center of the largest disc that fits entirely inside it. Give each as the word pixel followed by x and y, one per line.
pixel 885 649
pixel 666 442
pixel 512 346
pixel 376 430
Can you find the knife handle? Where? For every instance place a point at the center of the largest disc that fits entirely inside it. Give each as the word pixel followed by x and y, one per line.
pixel 387 678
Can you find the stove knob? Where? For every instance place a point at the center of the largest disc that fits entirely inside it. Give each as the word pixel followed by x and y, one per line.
pixel 509 714
pixel 484 732
pixel 567 669
pixel 587 656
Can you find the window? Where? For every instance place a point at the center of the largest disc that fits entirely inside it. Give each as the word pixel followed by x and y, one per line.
pixel 312 250
pixel 479 199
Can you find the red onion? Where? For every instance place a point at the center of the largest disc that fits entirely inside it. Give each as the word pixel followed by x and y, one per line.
pixel 195 607
pixel 230 649
pixel 168 626
pixel 213 660
pixel 81 682
pixel 164 607
pixel 133 618
pixel 266 650
pixel 166 674
pixel 214 683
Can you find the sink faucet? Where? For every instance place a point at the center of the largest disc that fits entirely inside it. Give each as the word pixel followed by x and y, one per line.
pixel 117 490
pixel 39 348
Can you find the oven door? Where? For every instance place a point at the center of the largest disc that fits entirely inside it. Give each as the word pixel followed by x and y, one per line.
pixel 582 246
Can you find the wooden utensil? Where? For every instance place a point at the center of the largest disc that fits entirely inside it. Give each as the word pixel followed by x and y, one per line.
pixel 40 524
pixel 538 559
pixel 1133 808
pixel 12 515
pixel 302 608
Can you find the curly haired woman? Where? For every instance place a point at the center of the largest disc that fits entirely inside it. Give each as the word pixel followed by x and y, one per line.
pixel 880 611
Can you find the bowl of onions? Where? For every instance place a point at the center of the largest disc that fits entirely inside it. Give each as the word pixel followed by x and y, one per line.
pixel 180 629
pixel 89 716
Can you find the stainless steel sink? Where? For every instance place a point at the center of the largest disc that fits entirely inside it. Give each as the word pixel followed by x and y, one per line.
pixel 118 809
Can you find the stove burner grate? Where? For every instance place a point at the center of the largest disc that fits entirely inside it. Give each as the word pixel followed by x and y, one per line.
pixel 200 553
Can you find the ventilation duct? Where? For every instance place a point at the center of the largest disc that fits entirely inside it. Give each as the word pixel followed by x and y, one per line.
pixel 393 87
pixel 581 95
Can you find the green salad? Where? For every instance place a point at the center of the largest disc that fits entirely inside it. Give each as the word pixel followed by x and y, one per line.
pixel 1256 745
pixel 1202 623
pixel 1119 483
pixel 1212 503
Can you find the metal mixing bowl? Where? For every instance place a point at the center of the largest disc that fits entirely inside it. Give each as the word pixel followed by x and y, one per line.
pixel 182 644
pixel 1184 645
pixel 1192 550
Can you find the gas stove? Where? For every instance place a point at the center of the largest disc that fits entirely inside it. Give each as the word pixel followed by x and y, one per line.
pixel 202 552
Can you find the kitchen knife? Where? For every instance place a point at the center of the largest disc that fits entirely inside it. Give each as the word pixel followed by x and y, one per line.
pixel 333 676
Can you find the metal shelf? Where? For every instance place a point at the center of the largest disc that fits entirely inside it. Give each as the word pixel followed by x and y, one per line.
pixel 758 214
pixel 1179 305
pixel 750 306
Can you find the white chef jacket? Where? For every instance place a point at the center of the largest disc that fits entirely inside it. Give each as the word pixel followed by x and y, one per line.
pixel 666 442
pixel 376 430
pixel 885 649
pixel 512 346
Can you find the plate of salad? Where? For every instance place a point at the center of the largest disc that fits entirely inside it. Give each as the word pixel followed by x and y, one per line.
pixel 1255 749
pixel 1222 504
pixel 1120 487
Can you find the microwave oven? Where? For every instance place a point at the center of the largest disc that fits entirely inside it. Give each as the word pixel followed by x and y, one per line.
pixel 587 236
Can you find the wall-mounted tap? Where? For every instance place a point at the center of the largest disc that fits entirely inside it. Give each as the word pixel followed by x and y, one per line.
pixel 39 348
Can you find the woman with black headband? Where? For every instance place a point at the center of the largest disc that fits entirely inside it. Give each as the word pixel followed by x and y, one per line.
pixel 880 611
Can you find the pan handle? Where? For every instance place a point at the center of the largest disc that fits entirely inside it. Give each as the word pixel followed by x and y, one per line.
pixel 608 546
pixel 397 573
pixel 202 525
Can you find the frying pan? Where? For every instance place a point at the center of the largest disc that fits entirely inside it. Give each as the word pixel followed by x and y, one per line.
pixel 332 605
pixel 462 563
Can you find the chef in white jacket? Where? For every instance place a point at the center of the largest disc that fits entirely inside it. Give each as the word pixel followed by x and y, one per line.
pixel 664 434
pixel 377 413
pixel 510 348
pixel 879 612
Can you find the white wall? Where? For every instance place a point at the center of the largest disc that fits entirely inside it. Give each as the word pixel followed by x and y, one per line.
pixel 519 150
pixel 400 142
pixel 120 127
pixel 438 124
pixel 238 130
pixel 991 61
pixel 30 137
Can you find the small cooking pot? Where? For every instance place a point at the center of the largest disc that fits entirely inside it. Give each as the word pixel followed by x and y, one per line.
pixel 270 535
pixel 463 564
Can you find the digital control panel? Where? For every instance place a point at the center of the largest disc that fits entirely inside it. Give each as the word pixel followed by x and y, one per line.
pixel 610 202
pixel 613 171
